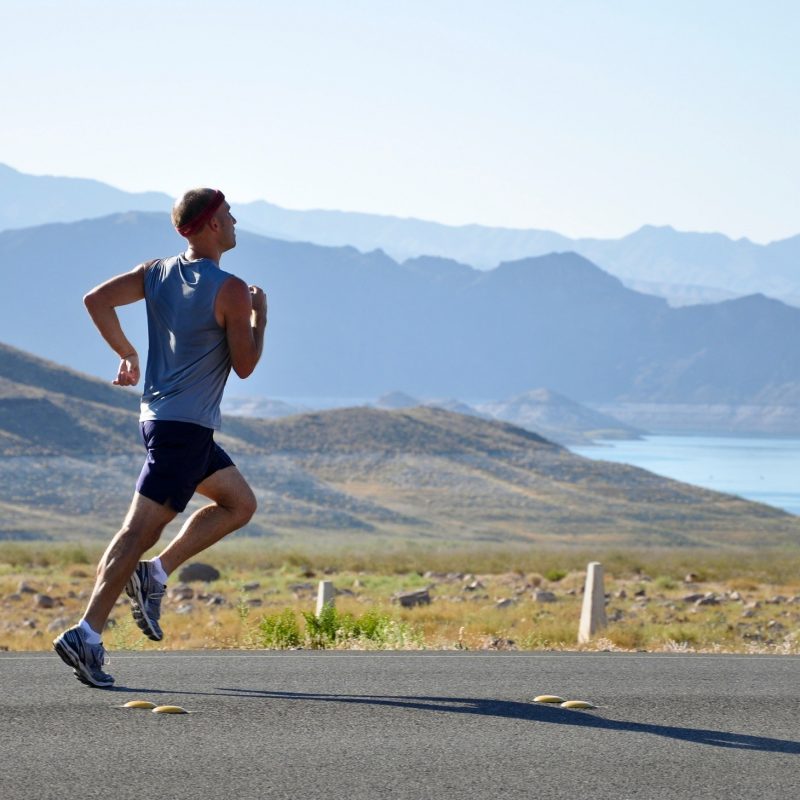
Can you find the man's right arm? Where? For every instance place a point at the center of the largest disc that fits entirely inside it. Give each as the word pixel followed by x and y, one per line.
pixel 242 311
pixel 101 303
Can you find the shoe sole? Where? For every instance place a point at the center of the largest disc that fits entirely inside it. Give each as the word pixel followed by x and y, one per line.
pixel 72 659
pixel 81 678
pixel 133 588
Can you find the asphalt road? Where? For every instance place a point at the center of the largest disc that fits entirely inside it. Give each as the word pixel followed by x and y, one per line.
pixel 403 725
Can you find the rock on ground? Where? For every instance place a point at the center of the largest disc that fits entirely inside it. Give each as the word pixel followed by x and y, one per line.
pixel 198 572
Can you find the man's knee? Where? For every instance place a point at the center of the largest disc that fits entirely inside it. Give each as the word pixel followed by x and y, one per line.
pixel 246 507
pixel 229 490
pixel 242 505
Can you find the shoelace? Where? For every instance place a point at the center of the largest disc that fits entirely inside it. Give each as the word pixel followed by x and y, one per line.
pixel 154 603
pixel 99 656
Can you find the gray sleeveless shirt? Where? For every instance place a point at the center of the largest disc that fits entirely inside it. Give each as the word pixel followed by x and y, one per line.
pixel 188 360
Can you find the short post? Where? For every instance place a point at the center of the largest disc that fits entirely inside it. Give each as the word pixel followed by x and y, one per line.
pixel 593 613
pixel 324 595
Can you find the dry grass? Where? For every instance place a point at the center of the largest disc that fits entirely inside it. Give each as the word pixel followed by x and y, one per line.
pixel 758 595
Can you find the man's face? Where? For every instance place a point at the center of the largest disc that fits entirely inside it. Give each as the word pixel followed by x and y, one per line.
pixel 227 228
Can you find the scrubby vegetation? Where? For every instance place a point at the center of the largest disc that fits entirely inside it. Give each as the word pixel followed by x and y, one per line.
pixel 480 598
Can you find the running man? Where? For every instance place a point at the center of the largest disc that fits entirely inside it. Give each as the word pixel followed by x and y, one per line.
pixel 201 322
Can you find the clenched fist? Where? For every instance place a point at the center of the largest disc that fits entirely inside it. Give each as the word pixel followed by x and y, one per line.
pixel 259 301
pixel 128 371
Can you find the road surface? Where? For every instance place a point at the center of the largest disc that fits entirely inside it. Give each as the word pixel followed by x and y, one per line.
pixel 403 725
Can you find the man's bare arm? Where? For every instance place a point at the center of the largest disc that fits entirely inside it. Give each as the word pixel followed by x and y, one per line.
pixel 101 303
pixel 242 311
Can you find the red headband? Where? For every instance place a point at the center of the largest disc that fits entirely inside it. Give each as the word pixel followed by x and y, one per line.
pixel 196 224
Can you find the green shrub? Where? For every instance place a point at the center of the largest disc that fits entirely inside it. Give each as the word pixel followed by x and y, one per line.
pixel 665 582
pixel 373 629
pixel 321 630
pixel 373 624
pixel 555 575
pixel 280 631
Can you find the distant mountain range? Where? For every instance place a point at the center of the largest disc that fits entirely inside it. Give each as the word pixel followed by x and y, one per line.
pixel 348 324
pixel 540 410
pixel 558 418
pixel 361 477
pixel 684 267
pixel 27 200
pixel 681 266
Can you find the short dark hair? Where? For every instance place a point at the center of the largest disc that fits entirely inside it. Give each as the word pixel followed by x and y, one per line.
pixel 190 204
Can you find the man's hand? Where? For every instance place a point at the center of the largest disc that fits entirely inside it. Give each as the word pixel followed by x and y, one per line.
pixel 259 302
pixel 128 372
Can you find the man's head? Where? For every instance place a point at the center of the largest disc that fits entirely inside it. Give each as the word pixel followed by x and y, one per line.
pixel 204 215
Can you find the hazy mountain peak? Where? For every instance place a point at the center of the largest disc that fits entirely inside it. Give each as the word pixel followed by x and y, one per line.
pixel 541 395
pixel 557 417
pixel 756 301
pixel 27 200
pixel 440 269
pixel 397 399
pixel 569 269
pixel 668 233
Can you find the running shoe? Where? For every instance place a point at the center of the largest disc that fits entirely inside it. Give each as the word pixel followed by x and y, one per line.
pixel 85 659
pixel 145 593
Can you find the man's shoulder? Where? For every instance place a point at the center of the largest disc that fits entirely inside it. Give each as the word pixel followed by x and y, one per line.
pixel 230 278
pixel 158 263
pixel 231 285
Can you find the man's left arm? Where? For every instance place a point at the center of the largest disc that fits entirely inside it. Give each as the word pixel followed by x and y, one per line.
pixel 101 303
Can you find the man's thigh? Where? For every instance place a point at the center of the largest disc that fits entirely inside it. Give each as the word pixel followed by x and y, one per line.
pixel 227 487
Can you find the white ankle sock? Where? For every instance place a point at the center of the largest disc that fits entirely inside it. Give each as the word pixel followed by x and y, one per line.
pixel 92 636
pixel 158 570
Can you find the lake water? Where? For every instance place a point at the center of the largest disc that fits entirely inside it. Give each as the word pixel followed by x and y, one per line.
pixel 759 469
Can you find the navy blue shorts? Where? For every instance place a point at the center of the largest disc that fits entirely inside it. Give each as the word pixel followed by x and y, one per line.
pixel 180 456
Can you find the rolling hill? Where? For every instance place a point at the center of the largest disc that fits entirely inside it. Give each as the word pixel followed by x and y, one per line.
pixel 69 457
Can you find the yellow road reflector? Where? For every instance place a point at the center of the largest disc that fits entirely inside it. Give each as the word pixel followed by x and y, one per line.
pixel 169 710
pixel 548 698
pixel 577 704
pixel 139 704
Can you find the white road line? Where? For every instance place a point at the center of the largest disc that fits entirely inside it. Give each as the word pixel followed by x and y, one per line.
pixel 421 655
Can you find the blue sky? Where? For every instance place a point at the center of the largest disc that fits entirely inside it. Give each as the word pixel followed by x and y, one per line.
pixel 589 118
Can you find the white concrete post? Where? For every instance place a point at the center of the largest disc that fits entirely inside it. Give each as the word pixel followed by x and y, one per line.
pixel 324 595
pixel 593 613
